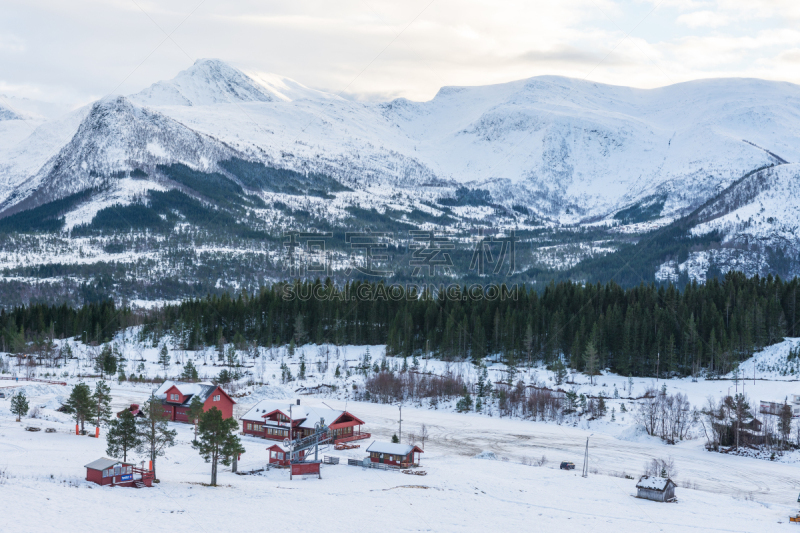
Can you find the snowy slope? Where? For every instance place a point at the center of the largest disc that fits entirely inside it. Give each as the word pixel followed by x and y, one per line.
pixel 763 208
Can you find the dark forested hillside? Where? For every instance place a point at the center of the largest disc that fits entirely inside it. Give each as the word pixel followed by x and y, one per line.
pixel 641 331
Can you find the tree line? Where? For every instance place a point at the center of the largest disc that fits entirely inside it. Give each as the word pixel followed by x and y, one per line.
pixel 646 330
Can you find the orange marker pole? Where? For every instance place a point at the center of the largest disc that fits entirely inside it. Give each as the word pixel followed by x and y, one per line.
pixel 76 429
pixel 97 432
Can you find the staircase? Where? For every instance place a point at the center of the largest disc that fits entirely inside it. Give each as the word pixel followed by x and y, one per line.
pixel 139 485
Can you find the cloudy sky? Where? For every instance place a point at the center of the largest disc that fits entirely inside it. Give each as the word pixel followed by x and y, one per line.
pixel 81 50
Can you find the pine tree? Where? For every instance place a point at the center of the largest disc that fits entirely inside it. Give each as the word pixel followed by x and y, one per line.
pixel 19 405
pixel 189 372
pixel 395 440
pixel 102 403
pixel 590 358
pixel 301 374
pixel 465 403
pixel 154 431
pixel 195 412
pixel 122 435
pixel 217 441
pixel 163 357
pixel 81 404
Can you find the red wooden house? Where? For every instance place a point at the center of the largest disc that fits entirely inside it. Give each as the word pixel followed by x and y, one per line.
pixel 271 420
pixel 279 454
pixel 176 398
pixel 394 453
pixel 105 471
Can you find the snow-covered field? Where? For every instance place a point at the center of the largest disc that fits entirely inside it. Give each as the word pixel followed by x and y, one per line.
pixel 716 492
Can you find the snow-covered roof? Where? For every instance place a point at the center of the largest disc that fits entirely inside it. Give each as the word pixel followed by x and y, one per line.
pixel 306 414
pixel 315 413
pixel 391 447
pixel 265 407
pixel 104 463
pixel 187 390
pixel 654 483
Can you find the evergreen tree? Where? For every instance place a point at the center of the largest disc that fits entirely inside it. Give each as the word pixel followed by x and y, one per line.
pixel 217 441
pixel 465 403
pixel 195 412
pixel 102 403
pixel 19 405
pixel 153 430
pixel 81 404
pixel 106 362
pixel 785 422
pixel 189 372
pixel 122 435
pixel 301 374
pixel 163 357
pixel 590 359
pixel 395 440
pixel 601 407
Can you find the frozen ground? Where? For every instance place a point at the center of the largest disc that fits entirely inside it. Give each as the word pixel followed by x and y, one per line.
pixel 459 493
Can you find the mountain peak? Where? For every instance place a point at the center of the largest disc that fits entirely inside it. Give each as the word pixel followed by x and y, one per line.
pixel 206 82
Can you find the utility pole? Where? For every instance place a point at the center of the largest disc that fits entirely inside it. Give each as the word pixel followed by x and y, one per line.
pixel 586 459
pixel 400 438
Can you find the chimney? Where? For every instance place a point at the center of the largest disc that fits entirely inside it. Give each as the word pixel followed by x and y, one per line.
pixel 298 401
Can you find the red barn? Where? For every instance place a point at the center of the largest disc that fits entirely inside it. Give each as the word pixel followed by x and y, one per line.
pixel 393 453
pixel 271 420
pixel 105 471
pixel 176 397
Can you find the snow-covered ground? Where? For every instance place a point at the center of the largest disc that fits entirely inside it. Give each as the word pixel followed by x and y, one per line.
pixel 716 492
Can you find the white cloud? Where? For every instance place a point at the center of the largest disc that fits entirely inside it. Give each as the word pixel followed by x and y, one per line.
pixel 85 49
pixel 704 19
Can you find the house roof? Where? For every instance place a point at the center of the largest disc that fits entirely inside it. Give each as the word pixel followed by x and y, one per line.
pixel 392 448
pixel 654 483
pixel 104 463
pixel 306 415
pixel 188 390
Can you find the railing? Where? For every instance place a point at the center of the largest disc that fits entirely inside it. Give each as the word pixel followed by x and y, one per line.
pixel 350 438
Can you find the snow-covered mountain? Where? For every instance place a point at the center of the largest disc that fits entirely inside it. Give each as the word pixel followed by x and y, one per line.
pixel 568 149
pixel 115 136
pixel 262 154
pixel 208 82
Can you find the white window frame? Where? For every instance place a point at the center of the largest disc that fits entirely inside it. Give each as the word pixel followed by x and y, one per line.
pixel 216 397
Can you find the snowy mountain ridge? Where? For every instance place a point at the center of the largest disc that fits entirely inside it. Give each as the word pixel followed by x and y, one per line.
pixel 569 149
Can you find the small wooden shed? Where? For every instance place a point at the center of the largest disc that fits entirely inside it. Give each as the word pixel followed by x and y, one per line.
pixel 394 453
pixel 658 489
pixel 105 471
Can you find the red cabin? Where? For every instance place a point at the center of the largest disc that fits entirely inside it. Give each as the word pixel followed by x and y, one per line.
pixel 176 398
pixel 271 420
pixel 279 454
pixel 394 453
pixel 105 471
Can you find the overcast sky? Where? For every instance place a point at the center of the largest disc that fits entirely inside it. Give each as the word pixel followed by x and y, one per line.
pixel 79 50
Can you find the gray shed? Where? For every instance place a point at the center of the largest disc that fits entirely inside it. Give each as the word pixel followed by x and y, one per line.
pixel 658 489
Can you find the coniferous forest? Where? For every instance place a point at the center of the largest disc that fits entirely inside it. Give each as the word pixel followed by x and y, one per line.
pixel 641 331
